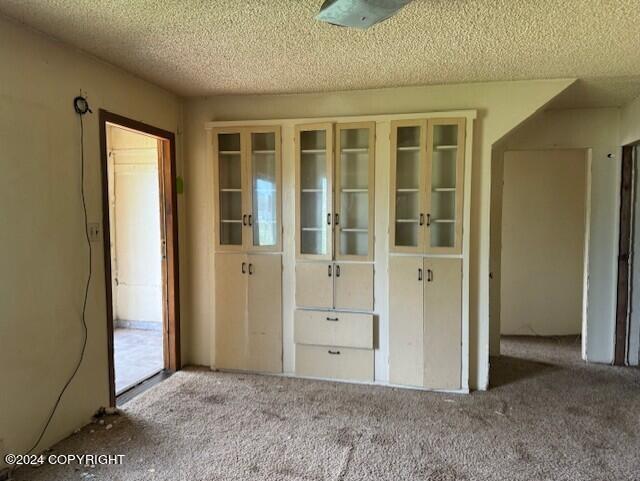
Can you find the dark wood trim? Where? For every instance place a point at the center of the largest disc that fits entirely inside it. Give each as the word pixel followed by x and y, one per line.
pixel 170 208
pixel 624 255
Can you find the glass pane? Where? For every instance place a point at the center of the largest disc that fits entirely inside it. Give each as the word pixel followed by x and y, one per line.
pixel 264 199
pixel 230 179
pixel 354 192
pixel 407 186
pixel 314 191
pixel 443 186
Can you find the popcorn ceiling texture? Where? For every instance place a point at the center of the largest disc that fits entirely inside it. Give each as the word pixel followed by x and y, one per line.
pixel 218 47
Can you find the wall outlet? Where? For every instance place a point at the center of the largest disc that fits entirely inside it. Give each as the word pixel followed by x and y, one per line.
pixel 95 232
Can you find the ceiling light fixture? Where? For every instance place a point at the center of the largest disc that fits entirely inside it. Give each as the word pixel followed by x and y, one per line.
pixel 358 13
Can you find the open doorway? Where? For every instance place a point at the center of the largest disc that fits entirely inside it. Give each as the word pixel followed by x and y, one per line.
pixel 543 256
pixel 140 227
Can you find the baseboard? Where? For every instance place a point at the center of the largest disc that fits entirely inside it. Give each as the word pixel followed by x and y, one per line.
pixel 143 325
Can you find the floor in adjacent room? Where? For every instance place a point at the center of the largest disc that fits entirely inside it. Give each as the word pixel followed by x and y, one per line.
pixel 138 355
pixel 549 416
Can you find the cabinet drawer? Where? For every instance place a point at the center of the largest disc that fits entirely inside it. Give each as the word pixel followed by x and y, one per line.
pixel 328 328
pixel 332 362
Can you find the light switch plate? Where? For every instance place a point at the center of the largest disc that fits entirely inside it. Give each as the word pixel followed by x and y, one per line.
pixel 95 232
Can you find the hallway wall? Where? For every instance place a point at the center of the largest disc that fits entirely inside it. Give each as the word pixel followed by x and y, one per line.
pixel 543 241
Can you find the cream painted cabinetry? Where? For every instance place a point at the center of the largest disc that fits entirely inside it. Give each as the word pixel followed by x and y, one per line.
pixel 425 312
pixel 247 171
pixel 427 181
pixel 248 312
pixel 334 285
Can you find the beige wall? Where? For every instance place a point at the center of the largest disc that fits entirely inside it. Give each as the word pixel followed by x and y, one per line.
pixel 630 122
pixel 501 107
pixel 42 234
pixel 543 238
pixel 597 130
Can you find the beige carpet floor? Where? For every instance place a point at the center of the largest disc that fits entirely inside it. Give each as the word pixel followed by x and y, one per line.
pixel 548 417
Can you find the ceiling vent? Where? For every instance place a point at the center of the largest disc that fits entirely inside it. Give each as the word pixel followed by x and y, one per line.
pixel 358 13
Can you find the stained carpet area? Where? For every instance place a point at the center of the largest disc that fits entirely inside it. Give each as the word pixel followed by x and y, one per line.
pixel 548 417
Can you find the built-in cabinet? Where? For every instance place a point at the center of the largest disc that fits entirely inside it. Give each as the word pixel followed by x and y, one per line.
pixel 426 219
pixel 247 168
pixel 323 248
pixel 334 221
pixel 248 239
pixel 248 291
pixel 425 322
pixel 427 174
pixel 335 194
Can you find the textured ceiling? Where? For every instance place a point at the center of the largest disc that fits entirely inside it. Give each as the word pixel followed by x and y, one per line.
pixel 205 47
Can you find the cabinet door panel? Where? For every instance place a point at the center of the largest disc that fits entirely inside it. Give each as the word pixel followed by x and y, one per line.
pixel 314 174
pixel 354 197
pixel 314 284
pixel 407 197
pixel 264 189
pixel 442 323
pixel 333 362
pixel 231 311
pixel 353 286
pixel 445 183
pixel 406 320
pixel 265 313
pixel 326 328
pixel 229 188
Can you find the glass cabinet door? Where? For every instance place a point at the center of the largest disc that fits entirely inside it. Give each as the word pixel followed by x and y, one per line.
pixel 444 184
pixel 408 202
pixel 314 152
pixel 228 153
pixel 264 158
pixel 354 199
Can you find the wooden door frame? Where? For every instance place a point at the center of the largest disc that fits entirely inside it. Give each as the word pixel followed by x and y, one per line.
pixel 169 208
pixel 627 180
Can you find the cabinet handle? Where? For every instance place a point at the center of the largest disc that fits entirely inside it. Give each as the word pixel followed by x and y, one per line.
pixel 328 219
pixel 337 271
pixel 428 220
pixel 244 219
pixel 250 269
pixel 419 273
pixel 333 319
pixel 334 353
pixel 244 268
pixel 429 275
pixel 329 270
pixel 250 219
pixel 336 219
pixel 421 219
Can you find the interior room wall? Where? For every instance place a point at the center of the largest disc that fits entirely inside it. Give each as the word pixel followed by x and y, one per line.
pixel 597 130
pixel 43 238
pixel 134 204
pixel 543 239
pixel 502 106
pixel 630 122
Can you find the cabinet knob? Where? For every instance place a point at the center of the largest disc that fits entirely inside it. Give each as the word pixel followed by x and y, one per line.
pixel 336 219
pixel 419 273
pixel 329 270
pixel 429 275
pixel 428 220
pixel 421 219
pixel 244 219
pixel 333 353
pixel 244 268
pixel 333 319
pixel 250 219
pixel 329 219
pixel 250 269
pixel 337 271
